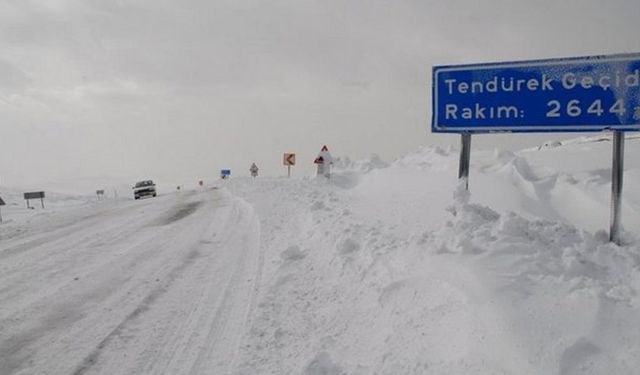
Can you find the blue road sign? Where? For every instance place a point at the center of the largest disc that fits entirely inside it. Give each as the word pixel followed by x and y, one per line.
pixel 559 95
pixel 225 172
pixel 34 195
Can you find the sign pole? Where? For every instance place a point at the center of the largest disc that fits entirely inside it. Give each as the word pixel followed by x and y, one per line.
pixel 617 172
pixel 288 171
pixel 465 157
pixel 532 97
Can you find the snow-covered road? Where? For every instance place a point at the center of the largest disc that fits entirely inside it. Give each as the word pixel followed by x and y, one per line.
pixel 130 287
pixel 379 270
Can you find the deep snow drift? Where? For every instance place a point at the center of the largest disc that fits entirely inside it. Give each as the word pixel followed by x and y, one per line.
pixel 383 271
pixel 387 268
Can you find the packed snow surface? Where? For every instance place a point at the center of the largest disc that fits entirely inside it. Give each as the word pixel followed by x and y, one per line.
pixel 386 268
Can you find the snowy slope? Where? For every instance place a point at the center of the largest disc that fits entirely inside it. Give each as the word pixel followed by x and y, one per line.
pixel 380 270
pixel 384 272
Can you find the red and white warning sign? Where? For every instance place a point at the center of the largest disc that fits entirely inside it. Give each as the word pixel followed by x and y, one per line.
pixel 324 157
pixel 289 159
pixel 324 162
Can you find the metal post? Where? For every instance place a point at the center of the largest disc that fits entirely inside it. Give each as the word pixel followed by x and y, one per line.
pixel 465 157
pixel 617 172
pixel 42 202
pixel 288 171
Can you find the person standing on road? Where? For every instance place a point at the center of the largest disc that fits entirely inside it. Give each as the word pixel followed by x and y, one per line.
pixel 254 170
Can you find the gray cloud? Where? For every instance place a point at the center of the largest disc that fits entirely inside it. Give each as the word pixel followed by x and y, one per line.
pixel 180 89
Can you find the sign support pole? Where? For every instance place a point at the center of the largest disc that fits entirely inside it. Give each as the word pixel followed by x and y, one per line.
pixel 288 171
pixel 617 172
pixel 465 158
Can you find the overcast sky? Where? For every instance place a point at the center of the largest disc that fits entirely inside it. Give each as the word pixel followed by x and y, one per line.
pixel 123 90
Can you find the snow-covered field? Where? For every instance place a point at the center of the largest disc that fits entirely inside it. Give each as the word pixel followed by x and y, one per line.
pixel 381 270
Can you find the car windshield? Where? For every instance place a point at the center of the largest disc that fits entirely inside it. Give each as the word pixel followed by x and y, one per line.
pixel 144 183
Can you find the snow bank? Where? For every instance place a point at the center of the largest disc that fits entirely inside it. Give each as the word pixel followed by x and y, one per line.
pixel 488 293
pixel 360 166
pixel 389 275
pixel 568 300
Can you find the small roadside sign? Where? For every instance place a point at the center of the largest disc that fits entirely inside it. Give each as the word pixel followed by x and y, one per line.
pixel 289 159
pixel 225 173
pixel 324 162
pixel 254 170
pixel 34 195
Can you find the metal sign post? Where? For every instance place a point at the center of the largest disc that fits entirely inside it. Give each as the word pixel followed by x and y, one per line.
pixel 34 195
pixel 289 159
pixel 617 172
pixel 1 204
pixel 465 158
pixel 580 94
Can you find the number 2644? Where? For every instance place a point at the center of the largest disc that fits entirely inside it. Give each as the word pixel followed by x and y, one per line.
pixel 574 108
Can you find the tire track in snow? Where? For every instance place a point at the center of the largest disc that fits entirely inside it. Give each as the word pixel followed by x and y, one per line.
pixel 186 335
pixel 144 306
pixel 125 323
pixel 54 260
pixel 58 326
pixel 72 255
pixel 196 324
pixel 206 339
pixel 62 230
pixel 250 243
pixel 20 302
